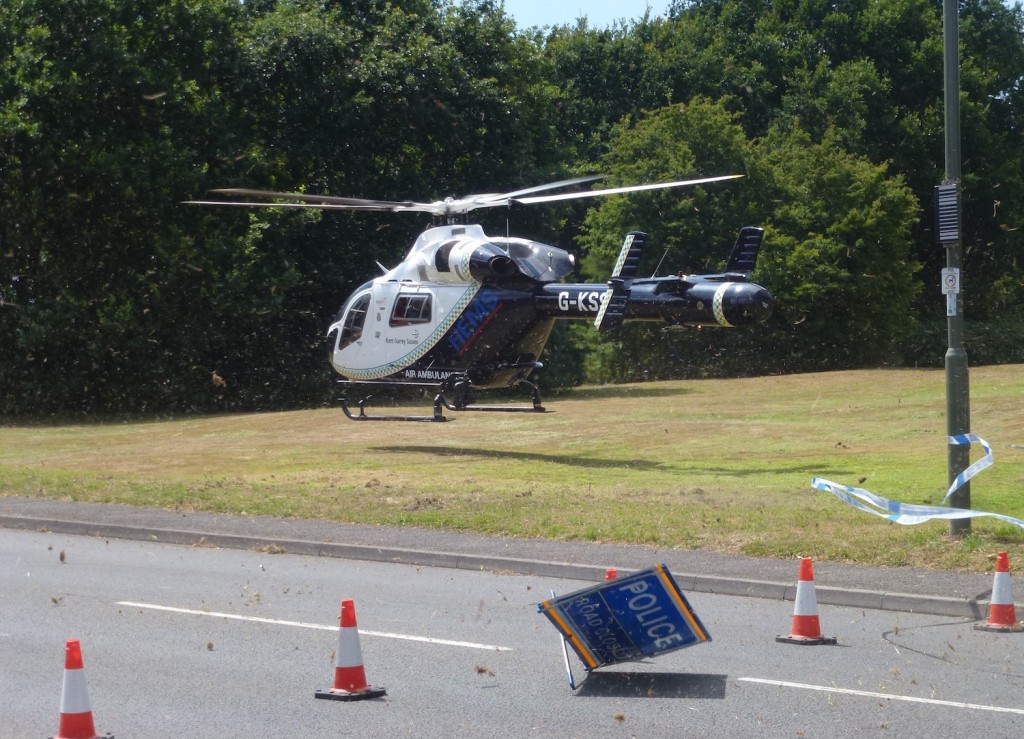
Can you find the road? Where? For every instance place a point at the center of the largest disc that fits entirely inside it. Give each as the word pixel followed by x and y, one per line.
pixel 210 642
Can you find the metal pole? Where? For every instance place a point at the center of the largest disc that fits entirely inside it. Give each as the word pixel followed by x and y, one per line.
pixel 957 388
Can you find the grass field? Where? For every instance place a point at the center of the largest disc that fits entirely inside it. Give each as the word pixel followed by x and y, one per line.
pixel 720 465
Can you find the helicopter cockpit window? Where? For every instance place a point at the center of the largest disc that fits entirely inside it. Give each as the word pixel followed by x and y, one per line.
pixel 411 309
pixel 352 328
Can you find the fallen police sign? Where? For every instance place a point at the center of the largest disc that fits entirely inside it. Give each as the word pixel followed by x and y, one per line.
pixel 628 618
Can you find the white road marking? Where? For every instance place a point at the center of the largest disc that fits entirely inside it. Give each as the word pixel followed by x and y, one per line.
pixel 886 696
pixel 300 624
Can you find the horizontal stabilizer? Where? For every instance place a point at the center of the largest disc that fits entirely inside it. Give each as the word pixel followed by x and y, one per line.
pixel 744 253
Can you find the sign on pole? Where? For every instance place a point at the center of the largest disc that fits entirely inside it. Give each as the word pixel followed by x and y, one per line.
pixel 950 288
pixel 947 213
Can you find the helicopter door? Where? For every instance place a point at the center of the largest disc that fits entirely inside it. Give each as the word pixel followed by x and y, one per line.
pixel 349 354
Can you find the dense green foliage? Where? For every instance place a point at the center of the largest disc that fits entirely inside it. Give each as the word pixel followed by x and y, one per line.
pixel 115 297
pixel 837 249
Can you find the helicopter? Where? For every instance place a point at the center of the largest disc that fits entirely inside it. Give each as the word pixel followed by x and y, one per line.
pixel 466 311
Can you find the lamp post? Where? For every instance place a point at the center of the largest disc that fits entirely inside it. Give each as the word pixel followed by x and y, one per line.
pixel 958 410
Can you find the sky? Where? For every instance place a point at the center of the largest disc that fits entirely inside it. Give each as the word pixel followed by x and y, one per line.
pixel 599 13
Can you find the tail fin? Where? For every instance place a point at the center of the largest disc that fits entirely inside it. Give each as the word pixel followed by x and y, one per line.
pixel 613 302
pixel 744 253
pixel 629 257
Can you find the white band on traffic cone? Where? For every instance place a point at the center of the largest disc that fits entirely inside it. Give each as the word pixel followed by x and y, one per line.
pixel 348 653
pixel 74 696
pixel 806 603
pixel 1001 590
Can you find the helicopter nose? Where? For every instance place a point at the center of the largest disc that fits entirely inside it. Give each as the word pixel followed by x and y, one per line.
pixel 746 304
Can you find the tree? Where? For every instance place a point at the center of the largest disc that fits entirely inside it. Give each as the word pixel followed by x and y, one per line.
pixel 836 256
pixel 116 297
pixel 839 257
pixel 867 75
pixel 99 102
pixel 124 299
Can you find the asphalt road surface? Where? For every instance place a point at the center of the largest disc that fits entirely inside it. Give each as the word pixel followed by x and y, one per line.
pixel 204 642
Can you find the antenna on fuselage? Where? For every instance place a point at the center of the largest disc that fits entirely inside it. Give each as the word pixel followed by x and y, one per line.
pixel 663 255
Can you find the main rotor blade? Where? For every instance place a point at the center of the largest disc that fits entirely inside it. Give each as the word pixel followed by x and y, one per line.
pixel 507 196
pixel 444 208
pixel 323 202
pixel 455 206
pixel 621 190
pixel 317 199
pixel 313 206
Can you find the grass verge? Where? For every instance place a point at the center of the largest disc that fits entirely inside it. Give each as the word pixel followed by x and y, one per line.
pixel 720 465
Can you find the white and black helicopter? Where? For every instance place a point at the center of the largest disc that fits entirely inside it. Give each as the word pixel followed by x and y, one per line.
pixel 465 311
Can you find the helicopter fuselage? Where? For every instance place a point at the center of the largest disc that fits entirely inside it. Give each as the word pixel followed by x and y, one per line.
pixel 469 305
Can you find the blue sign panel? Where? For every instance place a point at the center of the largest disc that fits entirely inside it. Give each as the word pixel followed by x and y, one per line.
pixel 628 618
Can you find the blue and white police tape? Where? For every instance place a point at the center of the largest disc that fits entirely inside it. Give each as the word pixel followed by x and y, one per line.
pixel 963 477
pixel 906 514
pixel 909 514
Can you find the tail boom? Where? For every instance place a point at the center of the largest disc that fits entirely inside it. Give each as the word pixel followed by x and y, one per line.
pixel 725 299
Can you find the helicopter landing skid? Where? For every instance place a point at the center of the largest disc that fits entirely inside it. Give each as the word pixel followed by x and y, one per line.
pixel 497 408
pixel 438 416
pixel 464 395
pixel 463 399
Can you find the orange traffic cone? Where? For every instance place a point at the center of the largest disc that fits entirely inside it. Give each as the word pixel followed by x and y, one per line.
pixel 1002 616
pixel 349 675
pixel 806 629
pixel 75 713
